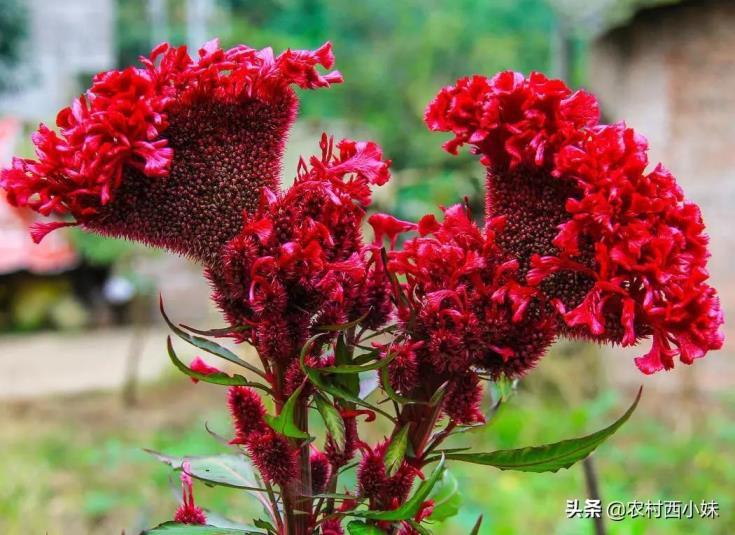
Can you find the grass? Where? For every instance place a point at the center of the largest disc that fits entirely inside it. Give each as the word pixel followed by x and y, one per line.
pixel 75 465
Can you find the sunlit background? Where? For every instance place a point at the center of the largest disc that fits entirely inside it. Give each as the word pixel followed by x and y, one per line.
pixel 84 379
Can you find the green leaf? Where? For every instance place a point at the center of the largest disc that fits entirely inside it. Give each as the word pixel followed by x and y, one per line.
pixel 174 528
pixel 412 505
pixel 361 528
pixel 343 326
pixel 226 470
pixel 354 368
pixel 476 527
pixel 208 345
pixel 284 422
pixel 392 394
pixel 447 498
pixel 222 332
pixel 323 383
pixel 396 450
pixel 264 524
pixel 333 420
pixel 218 378
pixel 549 457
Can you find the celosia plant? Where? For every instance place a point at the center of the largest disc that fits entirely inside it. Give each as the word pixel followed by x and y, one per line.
pixel 578 240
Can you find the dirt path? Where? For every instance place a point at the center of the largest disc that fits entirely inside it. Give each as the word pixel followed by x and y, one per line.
pixel 57 363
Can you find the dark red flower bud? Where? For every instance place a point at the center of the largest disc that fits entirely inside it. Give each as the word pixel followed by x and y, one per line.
pixel 274 457
pixel 462 399
pixel 321 471
pixel 247 412
pixel 384 492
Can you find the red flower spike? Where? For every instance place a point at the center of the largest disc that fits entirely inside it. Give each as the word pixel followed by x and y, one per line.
pixel 274 457
pixel 321 471
pixel 200 366
pixel 247 413
pixel 188 512
pixel 383 491
pixel 299 262
pixel 170 153
pixel 618 251
pixel 467 308
pixel 333 526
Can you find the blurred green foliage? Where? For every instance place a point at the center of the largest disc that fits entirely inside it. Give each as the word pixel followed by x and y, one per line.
pixel 394 55
pixel 13 29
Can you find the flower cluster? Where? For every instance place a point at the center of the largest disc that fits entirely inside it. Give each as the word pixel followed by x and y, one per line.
pixel 617 252
pixel 299 262
pixel 271 452
pixel 464 312
pixel 152 153
pixel 578 240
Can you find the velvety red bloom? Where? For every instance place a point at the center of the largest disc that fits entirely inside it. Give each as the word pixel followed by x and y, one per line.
pixel 619 252
pixel 463 310
pixel 274 457
pixel 172 152
pixel 321 471
pixel 333 526
pixel 247 413
pixel 383 491
pixel 188 512
pixel 200 366
pixel 299 262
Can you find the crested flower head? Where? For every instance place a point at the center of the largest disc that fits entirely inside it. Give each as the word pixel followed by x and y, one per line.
pixel 462 309
pixel 299 262
pixel 615 250
pixel 172 152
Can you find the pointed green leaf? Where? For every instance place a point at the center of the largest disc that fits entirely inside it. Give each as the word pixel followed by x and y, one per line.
pixel 396 450
pixel 324 384
pixel 447 498
pixel 226 470
pixel 361 528
pixel 354 368
pixel 332 419
pixel 264 524
pixel 392 394
pixel 343 326
pixel 476 527
pixel 174 528
pixel 208 345
pixel 221 332
pixel 412 505
pixel 218 378
pixel 284 422
pixel 549 457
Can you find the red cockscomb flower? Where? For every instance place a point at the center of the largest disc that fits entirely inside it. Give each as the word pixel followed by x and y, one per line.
pixel 188 512
pixel 618 251
pixel 299 262
pixel 170 153
pixel 463 310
